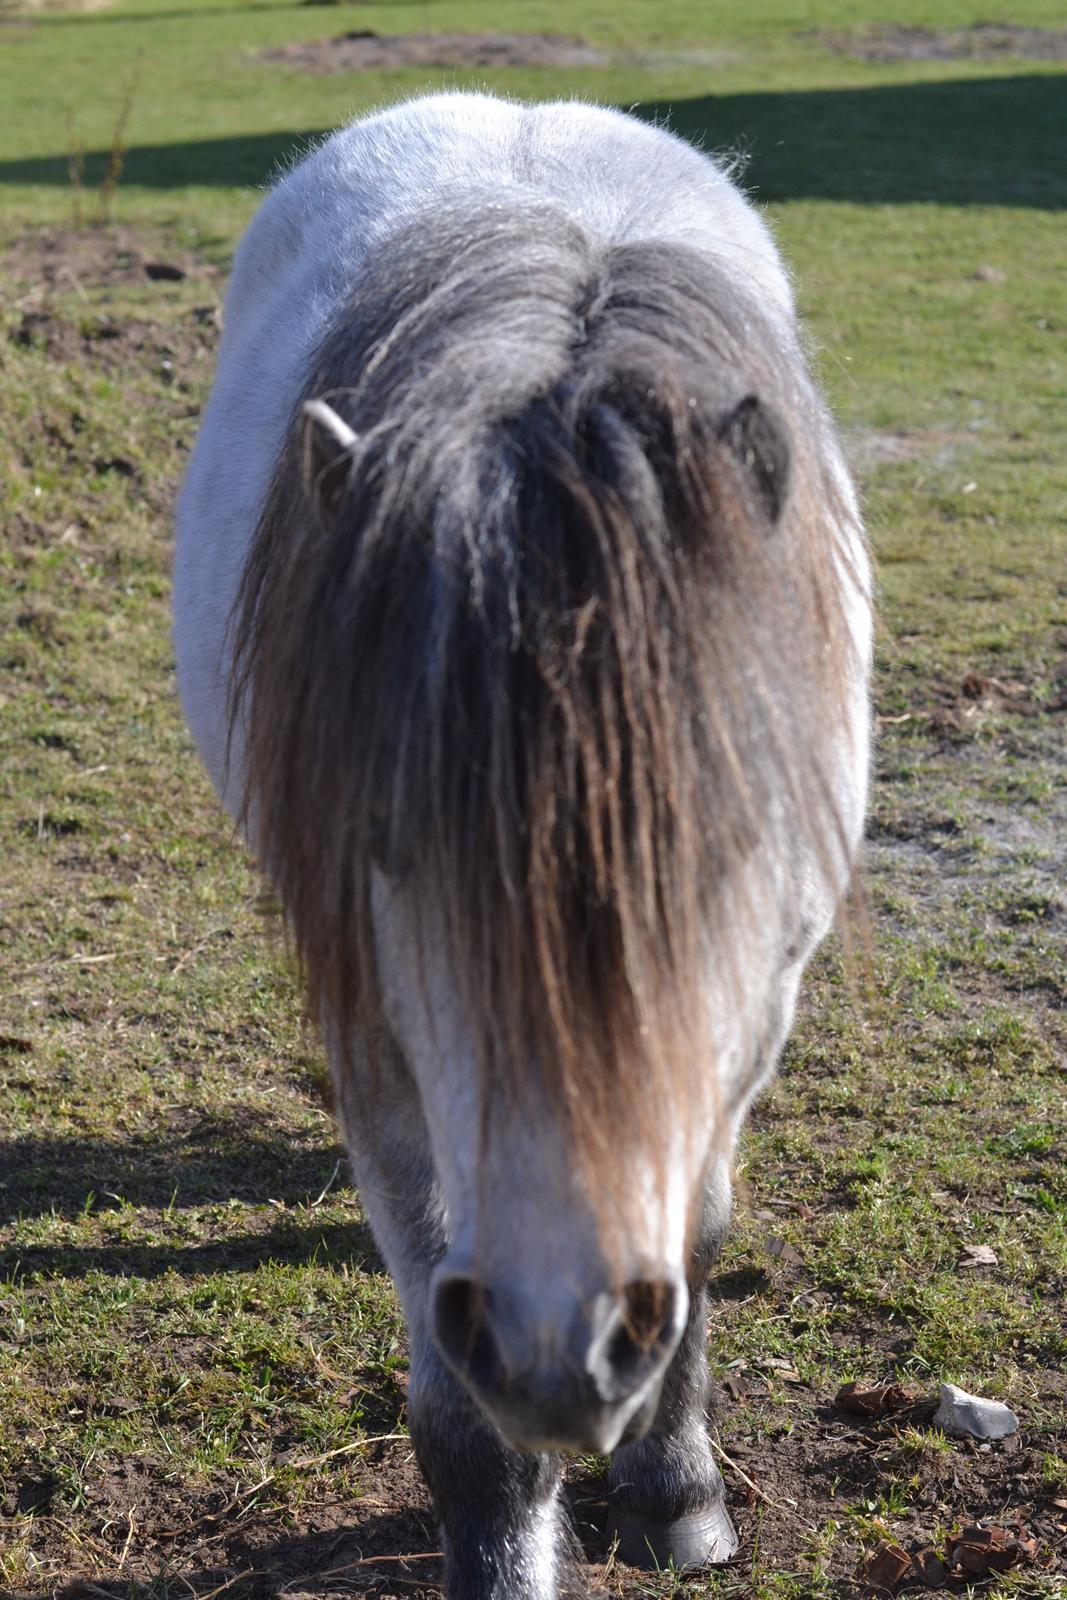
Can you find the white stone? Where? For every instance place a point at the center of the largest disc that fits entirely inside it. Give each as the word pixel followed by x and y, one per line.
pixel 963 1413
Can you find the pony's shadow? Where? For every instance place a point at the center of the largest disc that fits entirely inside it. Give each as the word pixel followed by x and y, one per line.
pixel 390 1552
pixel 383 1552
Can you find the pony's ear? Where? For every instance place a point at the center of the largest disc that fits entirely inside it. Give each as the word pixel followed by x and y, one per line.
pixel 329 447
pixel 756 436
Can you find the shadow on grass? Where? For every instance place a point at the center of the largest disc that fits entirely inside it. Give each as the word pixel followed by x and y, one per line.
pixel 239 1157
pixel 286 1243
pixel 979 141
pixel 985 141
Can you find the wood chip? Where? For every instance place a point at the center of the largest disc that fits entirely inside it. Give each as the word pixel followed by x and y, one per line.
pixel 928 1567
pixel 978 1550
pixel 886 1568
pixel 780 1367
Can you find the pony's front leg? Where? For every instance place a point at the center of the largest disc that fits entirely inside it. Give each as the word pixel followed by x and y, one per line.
pixel 501 1527
pixel 667 1496
pixel 499 1509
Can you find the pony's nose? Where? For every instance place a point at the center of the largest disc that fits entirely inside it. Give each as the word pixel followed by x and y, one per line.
pixel 573 1381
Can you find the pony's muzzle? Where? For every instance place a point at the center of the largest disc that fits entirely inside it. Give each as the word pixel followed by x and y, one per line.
pixel 578 1380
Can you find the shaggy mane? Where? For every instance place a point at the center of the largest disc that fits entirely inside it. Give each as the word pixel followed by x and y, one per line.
pixel 542 638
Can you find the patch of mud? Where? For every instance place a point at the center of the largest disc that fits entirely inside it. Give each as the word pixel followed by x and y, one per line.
pixel 365 51
pixel 983 41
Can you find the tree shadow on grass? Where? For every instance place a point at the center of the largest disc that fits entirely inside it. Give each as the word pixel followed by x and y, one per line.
pixel 974 141
pixel 984 141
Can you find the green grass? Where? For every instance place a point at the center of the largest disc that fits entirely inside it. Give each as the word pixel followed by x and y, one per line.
pixel 192 1315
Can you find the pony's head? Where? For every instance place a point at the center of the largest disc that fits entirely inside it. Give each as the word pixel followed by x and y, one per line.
pixel 544 680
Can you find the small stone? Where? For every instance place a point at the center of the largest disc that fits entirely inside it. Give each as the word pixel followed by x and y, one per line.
pixel 971 1416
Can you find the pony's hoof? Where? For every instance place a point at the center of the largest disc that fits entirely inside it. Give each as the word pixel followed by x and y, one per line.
pixel 701 1539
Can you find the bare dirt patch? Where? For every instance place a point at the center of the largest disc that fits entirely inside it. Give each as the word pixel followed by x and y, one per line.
pixel 97 258
pixel 125 345
pixel 64 285
pixel 983 41
pixel 365 51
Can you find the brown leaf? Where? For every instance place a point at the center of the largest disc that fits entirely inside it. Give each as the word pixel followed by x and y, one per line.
pixel 886 1568
pixel 873 1399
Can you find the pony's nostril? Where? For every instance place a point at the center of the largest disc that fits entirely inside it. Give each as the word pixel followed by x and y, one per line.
pixel 463 1332
pixel 648 1312
pixel 644 1331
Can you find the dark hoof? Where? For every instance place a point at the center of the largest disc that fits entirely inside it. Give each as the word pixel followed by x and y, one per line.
pixel 701 1539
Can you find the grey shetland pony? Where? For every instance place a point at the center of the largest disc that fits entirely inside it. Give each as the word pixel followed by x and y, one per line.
pixel 522 616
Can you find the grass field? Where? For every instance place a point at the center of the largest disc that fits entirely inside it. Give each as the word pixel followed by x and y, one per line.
pixel 202 1368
